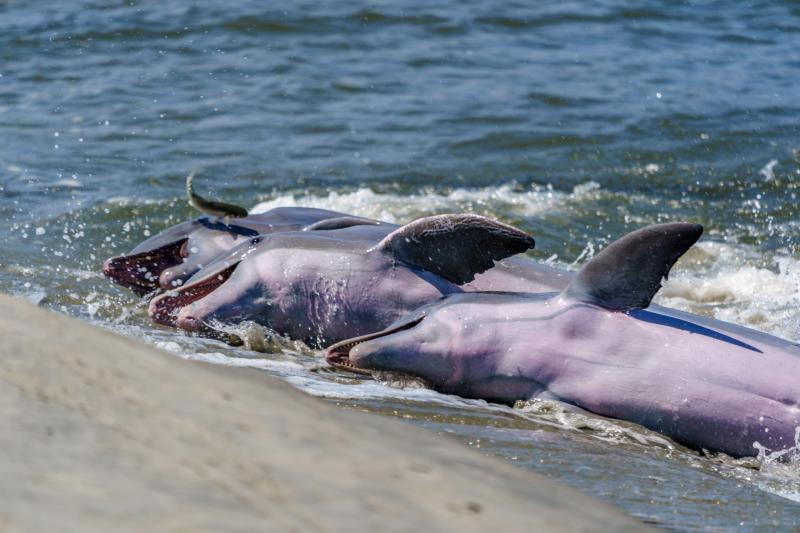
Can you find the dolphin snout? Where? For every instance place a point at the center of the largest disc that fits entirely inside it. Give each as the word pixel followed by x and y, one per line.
pixel 168 308
pixel 187 321
pixel 366 355
pixel 172 277
pixel 126 271
pixel 162 310
pixel 114 269
pixel 360 354
pixel 140 271
pixel 396 352
pixel 117 268
pixel 109 268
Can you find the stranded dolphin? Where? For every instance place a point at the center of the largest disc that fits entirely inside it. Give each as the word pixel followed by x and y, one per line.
pixel 172 256
pixel 593 346
pixel 175 254
pixel 323 286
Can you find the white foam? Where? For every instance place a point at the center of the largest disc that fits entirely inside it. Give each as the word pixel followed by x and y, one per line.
pixel 275 366
pixel 507 199
pixel 736 283
pixel 67 182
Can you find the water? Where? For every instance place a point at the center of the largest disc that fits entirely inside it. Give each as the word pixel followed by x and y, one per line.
pixel 577 121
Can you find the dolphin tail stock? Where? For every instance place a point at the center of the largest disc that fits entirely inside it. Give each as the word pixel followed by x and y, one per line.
pixel 211 207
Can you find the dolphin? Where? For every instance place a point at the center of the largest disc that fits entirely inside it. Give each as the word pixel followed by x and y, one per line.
pixel 323 286
pixel 597 346
pixel 172 256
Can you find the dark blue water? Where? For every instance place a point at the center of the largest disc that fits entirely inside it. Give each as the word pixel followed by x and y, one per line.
pixel 576 121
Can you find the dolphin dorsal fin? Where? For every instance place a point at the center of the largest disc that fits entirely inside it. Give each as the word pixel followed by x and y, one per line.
pixel 455 247
pixel 340 223
pixel 628 273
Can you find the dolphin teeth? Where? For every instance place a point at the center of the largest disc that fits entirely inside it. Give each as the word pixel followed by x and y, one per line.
pixel 338 355
pixel 164 308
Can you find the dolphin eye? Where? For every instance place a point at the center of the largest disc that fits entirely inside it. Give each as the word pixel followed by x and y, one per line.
pixel 255 240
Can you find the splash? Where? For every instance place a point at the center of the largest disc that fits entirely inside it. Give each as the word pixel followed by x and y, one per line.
pixel 736 283
pixel 779 471
pixel 564 416
pixel 768 172
pixel 775 472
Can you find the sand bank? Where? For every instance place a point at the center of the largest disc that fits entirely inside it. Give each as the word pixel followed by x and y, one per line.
pixel 102 433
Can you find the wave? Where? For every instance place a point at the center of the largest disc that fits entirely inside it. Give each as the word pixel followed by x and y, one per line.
pixel 507 199
pixel 737 283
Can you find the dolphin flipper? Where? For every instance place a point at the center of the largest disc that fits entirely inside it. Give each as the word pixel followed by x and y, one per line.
pixel 628 273
pixel 341 222
pixel 455 247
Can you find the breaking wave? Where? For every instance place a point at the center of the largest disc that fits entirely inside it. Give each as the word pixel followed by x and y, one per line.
pixel 736 283
pixel 505 201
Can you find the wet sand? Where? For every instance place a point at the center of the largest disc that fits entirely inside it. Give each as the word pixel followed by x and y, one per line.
pixel 103 433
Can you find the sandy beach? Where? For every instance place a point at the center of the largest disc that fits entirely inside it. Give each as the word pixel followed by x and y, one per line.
pixel 102 433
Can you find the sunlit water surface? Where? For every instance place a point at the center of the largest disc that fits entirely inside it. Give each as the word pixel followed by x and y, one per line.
pixel 576 121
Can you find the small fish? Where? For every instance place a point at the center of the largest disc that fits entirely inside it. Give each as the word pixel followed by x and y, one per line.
pixel 212 207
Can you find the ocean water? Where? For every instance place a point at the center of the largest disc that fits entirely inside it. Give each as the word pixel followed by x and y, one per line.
pixel 576 121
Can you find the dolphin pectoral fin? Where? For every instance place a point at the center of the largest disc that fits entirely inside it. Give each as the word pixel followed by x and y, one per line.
pixel 628 273
pixel 455 247
pixel 340 222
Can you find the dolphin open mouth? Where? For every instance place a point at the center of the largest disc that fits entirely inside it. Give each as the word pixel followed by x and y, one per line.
pixel 164 308
pixel 338 355
pixel 140 272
